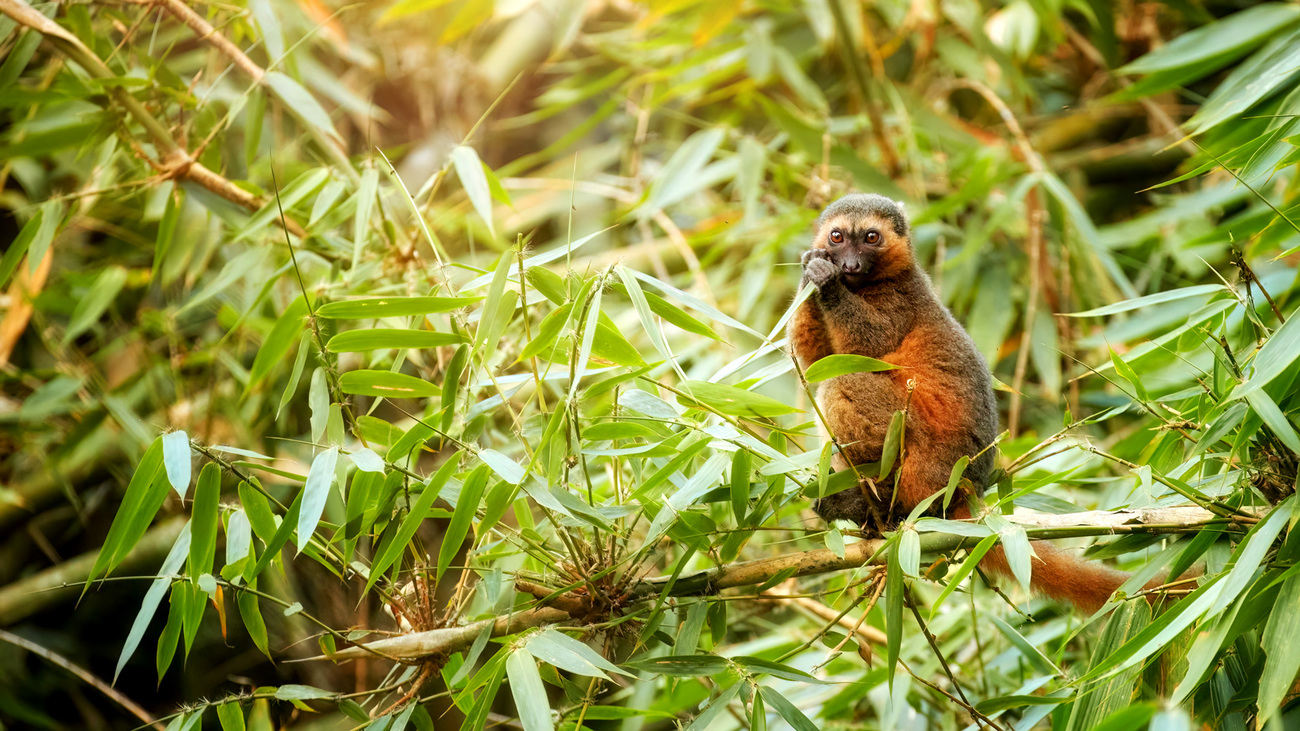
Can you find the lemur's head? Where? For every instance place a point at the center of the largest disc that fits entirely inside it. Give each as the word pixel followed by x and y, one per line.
pixel 867 236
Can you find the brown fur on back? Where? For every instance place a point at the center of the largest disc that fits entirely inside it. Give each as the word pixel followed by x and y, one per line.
pixel 873 300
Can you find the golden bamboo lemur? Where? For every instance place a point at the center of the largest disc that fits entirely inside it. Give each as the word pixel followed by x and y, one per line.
pixel 873 300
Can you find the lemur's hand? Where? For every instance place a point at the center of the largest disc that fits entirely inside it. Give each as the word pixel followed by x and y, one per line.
pixel 817 267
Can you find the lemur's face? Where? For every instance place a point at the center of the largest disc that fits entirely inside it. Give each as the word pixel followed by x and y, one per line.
pixel 859 245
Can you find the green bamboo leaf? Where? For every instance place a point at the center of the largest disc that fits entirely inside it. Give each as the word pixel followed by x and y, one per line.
pixel 451 385
pixel 252 616
pixel 909 552
pixel 965 569
pixel 1281 645
pixel 506 468
pixel 417 435
pixel 23 242
pixel 171 633
pixel 484 335
pixel 682 666
pixel 325 200
pixel 1032 654
pixel 1098 701
pixel 365 208
pixel 1220 42
pixel 532 263
pixel 366 460
pixel 386 384
pixel 1277 422
pixel 319 479
pixel 304 346
pixel 731 400
pixel 670 312
pixel 302 104
pixel 389 553
pixel 1267 71
pixel 144 496
pixel 692 301
pixel 153 597
pixel 893 442
pixel 589 327
pixel 239 536
pixel 233 271
pixel 840 365
pixel 609 344
pixel 471 495
pixel 564 652
pixel 787 710
pixel 1279 352
pixel 642 307
pixel 293 194
pixel 359 341
pixel 95 301
pixel 367 308
pixel 282 336
pixel 493 672
pixel 954 479
pixel 1151 300
pixel 293 692
pixel 1126 371
pixel 470 171
pixel 278 539
pixel 680 176
pixel 318 401
pixel 177 459
pixel 529 693
pixel 549 331
pixel 893 608
pixel 612 430
pixel 231 717
pixel 704 721
pixel 204 519
pixel 742 467
pixel 757 665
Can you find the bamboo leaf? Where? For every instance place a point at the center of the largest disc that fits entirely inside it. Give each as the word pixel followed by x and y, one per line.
pixel 470 171
pixel 319 479
pixel 471 495
pixel 559 649
pixel 361 341
pixel 96 300
pixel 153 597
pixel 528 691
pixel 204 519
pixel 177 459
pixel 841 365
pixel 371 307
pixel 731 400
pixel 386 384
pixel 388 553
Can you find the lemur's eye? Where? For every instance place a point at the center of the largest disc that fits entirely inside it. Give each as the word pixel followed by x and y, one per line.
pixel 837 236
pixel 873 236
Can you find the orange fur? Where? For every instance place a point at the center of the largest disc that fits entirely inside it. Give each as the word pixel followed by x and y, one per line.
pixel 872 300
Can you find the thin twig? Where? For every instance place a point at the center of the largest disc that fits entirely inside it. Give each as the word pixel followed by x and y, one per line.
pixel 55 658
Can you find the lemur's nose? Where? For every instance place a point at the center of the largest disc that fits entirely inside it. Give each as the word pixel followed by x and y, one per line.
pixel 852 267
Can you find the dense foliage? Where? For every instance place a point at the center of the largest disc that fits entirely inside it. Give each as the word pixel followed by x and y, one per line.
pixel 457 327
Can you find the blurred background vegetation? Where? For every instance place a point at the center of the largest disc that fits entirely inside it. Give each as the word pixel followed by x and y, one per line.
pixel 1104 192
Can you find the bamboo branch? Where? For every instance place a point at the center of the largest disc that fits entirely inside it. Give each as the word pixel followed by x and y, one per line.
pixel 208 34
pixel 451 639
pixel 821 561
pixel 175 161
